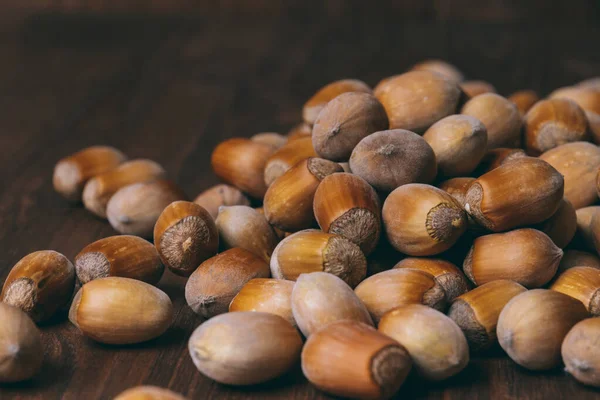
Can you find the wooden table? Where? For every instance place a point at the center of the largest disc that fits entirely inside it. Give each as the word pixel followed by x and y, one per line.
pixel 171 86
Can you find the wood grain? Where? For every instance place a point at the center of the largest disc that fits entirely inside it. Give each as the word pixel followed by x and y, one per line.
pixel 170 86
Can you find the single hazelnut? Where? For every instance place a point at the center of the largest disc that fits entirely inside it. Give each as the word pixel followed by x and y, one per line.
pixel 273 139
pixel 320 298
pixel 210 288
pixel 21 351
pixel 319 100
pixel 123 256
pixel 500 117
pixel 347 205
pixel 585 235
pixel 533 324
pixel 288 203
pixel 147 392
pixel 578 162
pixel 435 343
pixel 220 195
pixel 286 157
pixel 351 359
pixel 117 310
pixel 524 100
pixel 459 143
pixel 561 226
pixel 98 190
pixel 422 220
pixel 266 295
pixel 457 188
pixel 344 121
pixel 586 97
pixel 441 67
pixel 475 88
pixel 526 256
pixel 393 158
pixel 299 131
pixel 446 274
pixel 583 284
pixel 576 258
pixel 135 208
pixel 594 125
pixel 494 203
pixel 497 157
pixel 387 290
pixel 72 172
pixel 476 312
pixel 245 348
pixel 580 352
pixel 416 100
pixel 241 163
pixel 185 236
pixel 40 284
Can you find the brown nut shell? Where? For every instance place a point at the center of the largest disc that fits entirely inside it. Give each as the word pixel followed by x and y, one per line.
pixel 286 157
pixel 586 97
pixel 584 229
pixel 524 100
pixel 576 258
pixel 314 105
pixel 210 289
pixel 580 352
pixel 273 139
pixel 450 278
pixel 72 172
pixel 457 188
pixel 266 295
pixel 475 88
pixel 40 284
pixel 441 67
pixel 562 225
pixel 353 360
pixel 148 392
pixel 533 324
pixel 119 311
pixel 185 236
pixel 583 284
pixel 221 195
pixel 497 157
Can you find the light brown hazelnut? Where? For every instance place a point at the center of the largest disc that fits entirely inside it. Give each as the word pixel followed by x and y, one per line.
pixel 449 277
pixel 319 100
pixel 496 157
pixel 475 88
pixel 583 284
pixel 580 352
pixel 441 67
pixel 266 295
pixel 586 97
pixel 524 100
pixel 457 188
pixel 286 157
pixel 220 195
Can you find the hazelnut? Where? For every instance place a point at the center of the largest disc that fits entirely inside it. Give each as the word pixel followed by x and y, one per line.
pixel 21 350
pixel 422 220
pixel 476 312
pixel 583 284
pixel 459 143
pixel 148 393
pixel 185 235
pixel 124 256
pixel 446 274
pixel 524 100
pixel 526 256
pixel 266 295
pixel 98 190
pixel 533 324
pixel 241 163
pixel 495 204
pixel 387 290
pixel 40 284
pixel 319 299
pixel 475 88
pixel 576 258
pixel 344 121
pixel 117 310
pixel 351 359
pixel 286 157
pixel 245 348
pixel 435 343
pixel 220 195
pixel 584 229
pixel 500 117
pixel 288 203
pixel 278 232
pixel 441 67
pixel 299 131
pixel 393 158
pixel 319 100
pixel 586 97
pixel 578 162
pixel 550 123
pixel 562 225
pixel 135 208
pixel 210 288
pixel 580 352
pixel 347 205
pixel 72 172
pixel 273 139
pixel 457 188
pixel 497 157
pixel 416 100
pixel 316 251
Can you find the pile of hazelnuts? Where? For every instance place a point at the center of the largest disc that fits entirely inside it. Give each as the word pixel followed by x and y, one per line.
pixel 405 227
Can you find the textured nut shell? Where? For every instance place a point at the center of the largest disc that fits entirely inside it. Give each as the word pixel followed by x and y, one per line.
pixel 125 256
pixel 422 220
pixel 435 343
pixel 185 235
pixel 273 296
pixel 578 162
pixel 532 326
pixel 351 359
pixel 98 190
pixel 319 299
pixel 576 258
pixel 584 229
pixel 220 195
pixel 21 351
pixel 387 290
pixel 586 97
pixel 393 158
pixel 245 348
pixel 449 277
pixel 344 122
pixel 497 157
pixel 417 99
pixel 526 256
pixel 522 192
pixel 273 139
pixel 441 67
pixel 562 225
pixel 148 393
pixel 210 289
pixel 241 163
pixel 583 284
pixel 71 173
pixel 286 157
pixel 319 100
pixel 40 284
pixel 457 188
pixel 524 100
pixel 475 88
pixel 121 311
pixel 135 208
pixel 500 117
pixel 580 352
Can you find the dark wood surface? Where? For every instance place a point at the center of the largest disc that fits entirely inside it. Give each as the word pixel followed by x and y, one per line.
pixel 171 86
